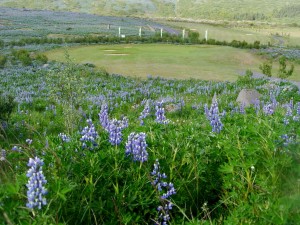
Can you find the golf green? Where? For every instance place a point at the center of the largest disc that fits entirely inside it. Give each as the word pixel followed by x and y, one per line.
pixel 165 60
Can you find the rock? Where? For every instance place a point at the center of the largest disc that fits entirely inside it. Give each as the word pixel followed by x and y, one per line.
pixel 172 107
pixel 248 96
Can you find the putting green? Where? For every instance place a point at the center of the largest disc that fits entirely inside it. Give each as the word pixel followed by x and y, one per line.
pixel 171 61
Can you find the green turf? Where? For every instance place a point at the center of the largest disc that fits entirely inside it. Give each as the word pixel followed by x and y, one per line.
pixel 171 61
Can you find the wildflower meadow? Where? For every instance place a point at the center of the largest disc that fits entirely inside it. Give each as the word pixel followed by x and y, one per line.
pixel 79 146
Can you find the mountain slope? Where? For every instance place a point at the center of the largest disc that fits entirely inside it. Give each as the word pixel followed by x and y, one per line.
pixel 266 10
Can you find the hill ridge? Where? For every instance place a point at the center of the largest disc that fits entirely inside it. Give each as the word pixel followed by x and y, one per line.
pixel 256 10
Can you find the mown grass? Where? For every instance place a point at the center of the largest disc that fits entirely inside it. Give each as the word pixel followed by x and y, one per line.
pixel 163 60
pixel 170 61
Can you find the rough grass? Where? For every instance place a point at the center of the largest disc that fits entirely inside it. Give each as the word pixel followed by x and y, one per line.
pixel 170 61
pixel 243 32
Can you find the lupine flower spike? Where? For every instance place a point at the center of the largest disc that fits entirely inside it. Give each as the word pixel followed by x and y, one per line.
pixel 103 116
pixel 136 146
pixel 115 132
pixel 36 189
pixel 214 117
pixel 145 112
pixel 165 190
pixel 64 137
pixel 160 113
pixel 3 155
pixel 89 136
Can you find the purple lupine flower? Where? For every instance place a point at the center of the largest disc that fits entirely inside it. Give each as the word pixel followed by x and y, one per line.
pixel 296 118
pixel 36 189
pixel 103 116
pixel 89 136
pixel 136 146
pixel 289 111
pixel 214 117
pixel 287 139
pixel 291 104
pixel 257 105
pixel 298 108
pixel 206 110
pixel 16 149
pixel 145 112
pixel 3 155
pixel 115 132
pixel 181 103
pixel 242 108
pixel 273 100
pixel 124 123
pixel 160 113
pixel 223 114
pixel 64 137
pixel 28 141
pixel 269 109
pixel 166 190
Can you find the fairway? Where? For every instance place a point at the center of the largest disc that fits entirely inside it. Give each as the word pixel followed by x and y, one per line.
pixel 170 61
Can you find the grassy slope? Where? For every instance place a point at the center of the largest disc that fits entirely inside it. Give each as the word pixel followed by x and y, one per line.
pixel 197 9
pixel 176 61
pixel 262 33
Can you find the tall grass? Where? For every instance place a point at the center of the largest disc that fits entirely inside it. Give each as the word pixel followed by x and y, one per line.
pixel 248 173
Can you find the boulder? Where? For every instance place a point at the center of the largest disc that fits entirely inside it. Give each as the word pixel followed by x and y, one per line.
pixel 248 96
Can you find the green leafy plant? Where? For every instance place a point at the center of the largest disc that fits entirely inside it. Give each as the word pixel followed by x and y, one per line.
pixel 7 105
pixel 283 71
pixel 3 60
pixel 41 58
pixel 266 68
pixel 23 56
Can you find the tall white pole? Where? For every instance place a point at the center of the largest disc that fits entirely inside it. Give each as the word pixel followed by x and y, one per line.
pixel 183 33
pixel 140 32
pixel 206 35
pixel 119 31
pixel 161 32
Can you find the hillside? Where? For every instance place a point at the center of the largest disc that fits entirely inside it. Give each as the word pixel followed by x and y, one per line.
pixel 266 10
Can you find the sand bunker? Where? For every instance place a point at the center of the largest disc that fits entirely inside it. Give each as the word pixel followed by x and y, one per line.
pixel 117 54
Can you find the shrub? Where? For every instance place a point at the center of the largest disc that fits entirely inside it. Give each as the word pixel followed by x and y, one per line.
pixel 247 80
pixel 266 68
pixel 41 58
pixel 3 60
pixel 283 71
pixel 23 56
pixel 1 43
pixel 7 105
